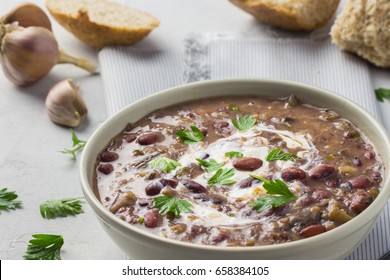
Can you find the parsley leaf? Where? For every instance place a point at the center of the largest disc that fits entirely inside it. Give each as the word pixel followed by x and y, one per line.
pixel 234 154
pixel 382 94
pixel 279 194
pixel 221 177
pixel 188 137
pixel 164 164
pixel 211 165
pixel 52 209
pixel 244 123
pixel 278 154
pixel 44 247
pixel 234 108
pixel 170 204
pixel 78 145
pixel 8 200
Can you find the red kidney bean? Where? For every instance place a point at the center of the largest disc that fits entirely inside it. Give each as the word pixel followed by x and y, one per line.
pixel 196 230
pixel 193 186
pixel 360 201
pixel 143 202
pixel 369 154
pixel 333 182
pixel 312 230
pixel 320 194
pixel 130 137
pixel 322 171
pixel 376 177
pixel 202 197
pixel 154 188
pixel 169 182
pixel 217 200
pixel 105 168
pixel 150 138
pixel 293 173
pixel 221 124
pixel 108 156
pixel 247 163
pixel 204 131
pixel 360 182
pixel 246 183
pixel 357 161
pixel 153 219
pixel 306 200
pixel 219 237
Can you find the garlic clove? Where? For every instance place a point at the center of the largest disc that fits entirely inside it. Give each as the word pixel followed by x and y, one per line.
pixel 28 14
pixel 65 105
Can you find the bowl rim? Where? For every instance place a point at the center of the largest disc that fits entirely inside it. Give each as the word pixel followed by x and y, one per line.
pixel 354 224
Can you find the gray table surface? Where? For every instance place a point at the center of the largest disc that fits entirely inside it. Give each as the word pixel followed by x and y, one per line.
pixel 30 163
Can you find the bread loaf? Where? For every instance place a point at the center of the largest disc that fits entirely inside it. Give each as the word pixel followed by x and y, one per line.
pixel 101 23
pixel 290 14
pixel 363 27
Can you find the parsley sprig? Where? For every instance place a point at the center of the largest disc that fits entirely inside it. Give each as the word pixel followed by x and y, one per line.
pixel 234 154
pixel 278 154
pixel 190 137
pixel 164 164
pixel 222 177
pixel 382 94
pixel 8 200
pixel 52 209
pixel 78 145
pixel 44 247
pixel 279 194
pixel 211 165
pixel 244 123
pixel 170 204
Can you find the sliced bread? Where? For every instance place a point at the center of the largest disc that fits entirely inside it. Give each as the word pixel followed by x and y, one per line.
pixel 100 23
pixel 290 14
pixel 363 27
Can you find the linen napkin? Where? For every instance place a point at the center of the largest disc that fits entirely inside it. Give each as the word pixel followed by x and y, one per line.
pixel 130 74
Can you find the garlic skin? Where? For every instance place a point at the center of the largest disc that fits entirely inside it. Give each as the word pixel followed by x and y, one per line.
pixel 28 54
pixel 65 105
pixel 27 14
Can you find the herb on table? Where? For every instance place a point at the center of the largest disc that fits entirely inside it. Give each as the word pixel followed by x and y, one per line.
pixel 188 137
pixel 170 204
pixel 211 165
pixel 234 154
pixel 44 247
pixel 278 154
pixel 164 164
pixel 279 194
pixel 244 123
pixel 221 177
pixel 78 145
pixel 234 108
pixel 52 209
pixel 382 94
pixel 8 200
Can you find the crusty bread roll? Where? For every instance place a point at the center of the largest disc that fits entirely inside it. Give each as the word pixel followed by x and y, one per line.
pixel 363 27
pixel 290 14
pixel 101 23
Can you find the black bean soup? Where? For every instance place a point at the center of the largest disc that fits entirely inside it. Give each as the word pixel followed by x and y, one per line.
pixel 239 171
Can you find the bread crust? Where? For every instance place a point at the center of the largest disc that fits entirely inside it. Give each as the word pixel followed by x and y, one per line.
pixel 99 35
pixel 284 16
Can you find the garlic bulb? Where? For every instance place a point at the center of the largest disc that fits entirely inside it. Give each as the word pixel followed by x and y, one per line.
pixel 27 54
pixel 65 105
pixel 27 14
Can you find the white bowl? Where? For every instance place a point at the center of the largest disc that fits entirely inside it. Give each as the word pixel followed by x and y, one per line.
pixel 140 244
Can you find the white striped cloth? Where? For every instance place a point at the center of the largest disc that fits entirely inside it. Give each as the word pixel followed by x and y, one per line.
pixel 129 74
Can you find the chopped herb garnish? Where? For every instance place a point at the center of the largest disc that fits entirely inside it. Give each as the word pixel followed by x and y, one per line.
pixel 382 94
pixel 234 154
pixel 234 108
pixel 8 200
pixel 188 137
pixel 164 164
pixel 221 177
pixel 278 154
pixel 52 209
pixel 44 247
pixel 279 194
pixel 170 204
pixel 244 123
pixel 211 165
pixel 78 145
